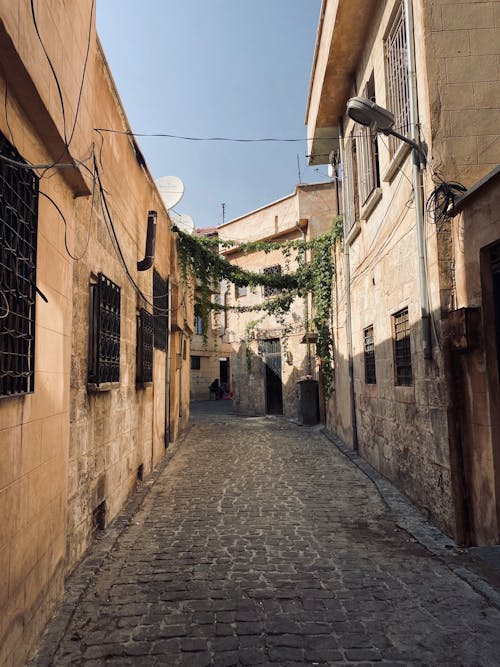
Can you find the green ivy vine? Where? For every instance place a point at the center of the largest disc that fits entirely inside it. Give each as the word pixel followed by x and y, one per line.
pixel 203 268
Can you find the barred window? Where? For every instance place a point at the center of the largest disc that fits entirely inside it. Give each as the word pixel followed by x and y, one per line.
pixel 272 270
pixel 18 237
pixel 402 352
pixel 368 172
pixel 195 362
pixel 350 174
pixel 160 311
pixel 145 325
pixel 104 347
pixel 369 353
pixel 396 69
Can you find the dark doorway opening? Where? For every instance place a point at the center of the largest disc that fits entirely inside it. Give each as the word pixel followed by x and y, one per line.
pixel 224 373
pixel 274 387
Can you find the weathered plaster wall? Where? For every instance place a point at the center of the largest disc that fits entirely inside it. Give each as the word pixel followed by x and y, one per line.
pixel 34 430
pixel 475 230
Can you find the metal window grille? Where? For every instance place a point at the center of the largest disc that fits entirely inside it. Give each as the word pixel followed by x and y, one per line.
pixel 270 271
pixel 396 62
pixel 145 325
pixel 402 352
pixel 160 311
pixel 195 362
pixel 368 172
pixel 351 182
pixel 198 325
pixel 18 238
pixel 104 357
pixel 369 350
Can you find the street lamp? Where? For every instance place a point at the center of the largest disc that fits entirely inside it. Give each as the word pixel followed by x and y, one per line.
pixel 365 112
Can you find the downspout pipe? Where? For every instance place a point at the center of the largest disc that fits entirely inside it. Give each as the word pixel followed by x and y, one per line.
pixel 418 182
pixel 347 278
pixel 149 256
pixel 303 231
pixel 168 365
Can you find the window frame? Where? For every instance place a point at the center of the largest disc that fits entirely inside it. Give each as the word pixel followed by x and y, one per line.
pixel 104 333
pixel 369 355
pixel 401 336
pixel 18 268
pixel 144 348
pixel 274 269
pixel 396 75
pixel 197 364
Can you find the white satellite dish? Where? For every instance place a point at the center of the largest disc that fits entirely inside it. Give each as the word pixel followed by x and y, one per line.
pixel 184 222
pixel 171 190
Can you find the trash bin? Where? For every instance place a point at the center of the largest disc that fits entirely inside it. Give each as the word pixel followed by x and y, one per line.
pixel 308 402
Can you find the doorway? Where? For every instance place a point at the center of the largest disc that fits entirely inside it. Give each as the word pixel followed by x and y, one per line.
pixel 224 373
pixel 274 387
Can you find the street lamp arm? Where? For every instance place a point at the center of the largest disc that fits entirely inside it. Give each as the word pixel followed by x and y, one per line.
pixel 415 145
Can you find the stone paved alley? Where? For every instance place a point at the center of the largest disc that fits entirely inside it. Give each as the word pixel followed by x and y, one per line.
pixel 261 543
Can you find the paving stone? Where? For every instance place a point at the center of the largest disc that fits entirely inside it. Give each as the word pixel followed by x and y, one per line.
pixel 261 543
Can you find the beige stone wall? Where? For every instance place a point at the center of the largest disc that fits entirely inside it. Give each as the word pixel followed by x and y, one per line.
pixel 34 430
pixel 68 449
pixel 402 431
pixel 315 204
pixel 462 54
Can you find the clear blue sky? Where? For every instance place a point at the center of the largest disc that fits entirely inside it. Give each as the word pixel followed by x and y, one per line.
pixel 232 68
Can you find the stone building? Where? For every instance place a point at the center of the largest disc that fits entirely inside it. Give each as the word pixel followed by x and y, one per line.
pixel 88 402
pixel 434 65
pixel 269 353
pixel 209 353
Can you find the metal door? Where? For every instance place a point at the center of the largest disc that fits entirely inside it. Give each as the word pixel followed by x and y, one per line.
pixel 271 350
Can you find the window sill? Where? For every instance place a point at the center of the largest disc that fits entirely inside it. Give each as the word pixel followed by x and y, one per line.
pixel 399 157
pixel 371 203
pixel 353 233
pixel 100 388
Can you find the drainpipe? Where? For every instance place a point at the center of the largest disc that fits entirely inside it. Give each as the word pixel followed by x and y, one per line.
pixel 167 365
pixel 149 255
pixel 347 278
pixel 418 182
pixel 306 310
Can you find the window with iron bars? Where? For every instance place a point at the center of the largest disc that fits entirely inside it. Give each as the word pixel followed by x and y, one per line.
pixel 350 174
pixel 104 344
pixel 367 153
pixel 160 311
pixel 272 270
pixel 18 240
pixel 396 71
pixel 195 362
pixel 369 353
pixel 402 351
pixel 145 325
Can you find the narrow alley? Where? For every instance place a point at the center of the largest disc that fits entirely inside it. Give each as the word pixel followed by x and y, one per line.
pixel 260 543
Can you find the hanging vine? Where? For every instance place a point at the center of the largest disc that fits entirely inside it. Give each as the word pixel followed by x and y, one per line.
pixel 203 268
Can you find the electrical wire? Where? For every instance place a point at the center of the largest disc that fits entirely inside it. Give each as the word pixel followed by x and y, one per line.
pixel 56 80
pixel 47 165
pixel 70 139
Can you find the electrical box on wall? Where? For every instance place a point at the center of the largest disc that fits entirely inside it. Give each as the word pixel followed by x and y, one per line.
pixel 463 329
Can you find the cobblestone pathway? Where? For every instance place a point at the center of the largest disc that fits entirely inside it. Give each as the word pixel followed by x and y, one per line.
pixel 260 543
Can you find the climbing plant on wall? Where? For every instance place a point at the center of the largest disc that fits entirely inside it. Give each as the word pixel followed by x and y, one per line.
pixel 203 268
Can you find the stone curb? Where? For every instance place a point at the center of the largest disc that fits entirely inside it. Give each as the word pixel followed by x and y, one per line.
pixel 412 521
pixel 85 571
